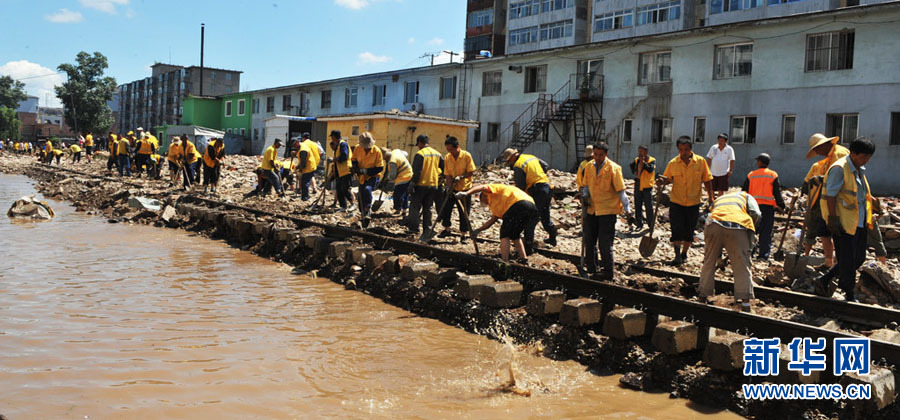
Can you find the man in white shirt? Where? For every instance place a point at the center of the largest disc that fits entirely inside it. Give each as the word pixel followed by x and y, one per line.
pixel 721 163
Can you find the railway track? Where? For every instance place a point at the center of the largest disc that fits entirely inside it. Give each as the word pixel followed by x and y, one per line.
pixel 703 315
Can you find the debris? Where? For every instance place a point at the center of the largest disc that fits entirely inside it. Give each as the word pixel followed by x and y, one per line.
pixel 151 204
pixel 28 207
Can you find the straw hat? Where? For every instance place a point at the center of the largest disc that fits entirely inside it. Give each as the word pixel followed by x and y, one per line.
pixel 817 140
pixel 508 153
pixel 366 140
pixel 589 151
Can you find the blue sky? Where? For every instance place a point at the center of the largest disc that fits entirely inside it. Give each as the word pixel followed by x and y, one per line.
pixel 274 42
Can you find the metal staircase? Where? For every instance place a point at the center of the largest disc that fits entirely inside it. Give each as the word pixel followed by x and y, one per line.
pixel 579 99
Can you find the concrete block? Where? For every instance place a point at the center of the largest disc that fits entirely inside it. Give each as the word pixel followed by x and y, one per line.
pixel 580 312
pixel 469 287
pixel 375 258
pixel 357 254
pixel 231 221
pixel 392 265
pixel 886 335
pixel 786 376
pixel 282 234
pixel 504 294
pixel 244 229
pixel 419 269
pixel 884 389
pixel 309 240
pixel 261 229
pixel 624 323
pixel 545 302
pixel 674 337
pixel 725 352
pixel 213 216
pixel 441 278
pixel 182 207
pixel 337 249
pixel 322 244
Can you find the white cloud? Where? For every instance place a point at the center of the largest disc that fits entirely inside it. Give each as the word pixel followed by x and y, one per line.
pixel 436 41
pixel 369 58
pixel 411 41
pixel 129 13
pixel 65 16
pixel 42 87
pixel 352 4
pixel 105 6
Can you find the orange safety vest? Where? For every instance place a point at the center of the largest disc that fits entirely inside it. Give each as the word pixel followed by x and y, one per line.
pixel 762 181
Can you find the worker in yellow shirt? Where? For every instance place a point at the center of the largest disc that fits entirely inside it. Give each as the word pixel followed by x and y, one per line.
pixel 819 145
pixel 123 153
pixel 515 207
pixel 145 148
pixel 112 145
pixel 529 174
pixel 644 170
pixel 48 151
pixel 308 157
pixel 459 168
pixel 427 166
pixel 268 166
pixel 688 173
pixel 89 146
pixel 191 161
pixel 341 162
pixel 368 162
pixel 75 150
pixel 175 157
pixel 604 194
pixel 588 158
pixel 396 177
pixel 213 158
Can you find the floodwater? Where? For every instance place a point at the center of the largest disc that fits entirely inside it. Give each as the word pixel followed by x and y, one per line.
pixel 103 320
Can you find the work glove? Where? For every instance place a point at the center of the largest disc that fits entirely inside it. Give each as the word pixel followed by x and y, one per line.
pixel 834 225
pixel 461 195
pixel 816 180
pixel 457 179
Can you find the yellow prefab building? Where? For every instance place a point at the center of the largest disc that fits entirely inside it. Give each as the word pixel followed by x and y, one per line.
pixel 398 130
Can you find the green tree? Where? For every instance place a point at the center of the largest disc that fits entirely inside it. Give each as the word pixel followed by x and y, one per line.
pixel 9 123
pixel 11 92
pixel 85 93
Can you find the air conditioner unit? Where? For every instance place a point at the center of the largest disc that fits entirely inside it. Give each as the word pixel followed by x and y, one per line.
pixel 417 107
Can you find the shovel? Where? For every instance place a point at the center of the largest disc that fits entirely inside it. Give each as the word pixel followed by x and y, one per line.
pixel 427 235
pixel 581 271
pixel 472 236
pixel 377 204
pixel 648 242
pixel 779 255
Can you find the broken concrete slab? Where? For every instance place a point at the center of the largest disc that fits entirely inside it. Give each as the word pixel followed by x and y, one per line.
pixel 504 294
pixel 167 214
pixel 144 203
pixel 886 335
pixel 580 312
pixel 418 269
pixel 375 258
pixel 357 254
pixel 322 244
pixel 675 337
pixel 787 376
pixel 468 287
pixel 337 249
pixel 725 352
pixel 392 265
pixel 624 323
pixel 545 302
pixel 884 390
pixel 441 278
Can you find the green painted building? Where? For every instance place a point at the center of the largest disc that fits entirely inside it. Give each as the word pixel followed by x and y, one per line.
pixel 229 113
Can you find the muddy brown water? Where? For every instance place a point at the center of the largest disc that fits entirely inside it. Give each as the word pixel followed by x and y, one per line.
pixel 103 320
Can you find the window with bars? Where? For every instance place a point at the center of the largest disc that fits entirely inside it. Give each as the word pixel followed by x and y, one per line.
pixel 626 130
pixel 448 88
pixel 661 130
pixel 788 128
pixel 830 51
pixel 845 126
pixel 655 67
pixel 733 61
pixel 493 132
pixel 615 20
pixel 743 129
pixel 536 79
pixel 557 30
pixel 699 129
pixel 492 83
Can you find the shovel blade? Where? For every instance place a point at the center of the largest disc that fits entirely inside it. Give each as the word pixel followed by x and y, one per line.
pixel 426 236
pixel 647 246
pixel 377 205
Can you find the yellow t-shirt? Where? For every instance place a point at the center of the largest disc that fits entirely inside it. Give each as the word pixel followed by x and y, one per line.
pixel 89 140
pixel 367 159
pixel 687 179
pixel 454 167
pixel 501 197
pixel 75 148
pixel 431 170
pixel 604 187
pixel 268 162
pixel 534 173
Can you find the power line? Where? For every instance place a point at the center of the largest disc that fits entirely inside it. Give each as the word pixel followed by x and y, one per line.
pixel 43 75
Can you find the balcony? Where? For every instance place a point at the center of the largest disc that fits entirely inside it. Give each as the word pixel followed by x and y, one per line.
pixel 474 5
pixel 479 30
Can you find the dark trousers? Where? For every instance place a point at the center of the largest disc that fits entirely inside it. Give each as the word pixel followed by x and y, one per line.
pixel 273 179
pixel 447 213
pixel 140 160
pixel 305 182
pixel 111 162
pixel 541 195
pixel 210 175
pixel 189 170
pixel 124 165
pixel 851 254
pixel 401 196
pixel 76 157
pixel 643 199
pixel 422 202
pixel 599 232
pixel 764 230
pixel 365 193
pixel 342 189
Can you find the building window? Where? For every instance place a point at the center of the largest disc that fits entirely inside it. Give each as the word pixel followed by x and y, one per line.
pixel 788 128
pixel 661 130
pixel 477 135
pixel 255 134
pixel 354 130
pixel 212 75
pixel 557 30
pixel 481 18
pixel 661 12
pixel 895 128
pixel 493 132
pixel 719 6
pixel 411 92
pixel 520 9
pixel 536 79
pixel 523 36
pixel 743 129
pixel 830 51
pixel 551 5
pixel 241 106
pixel 286 103
pixel 733 61
pixel 699 129
pixel 243 132
pixel 845 126
pixel 270 104
pixel 626 131
pixel 326 99
pixel 615 20
pixel 228 130
pixel 492 83
pixel 227 76
pixel 655 67
pixel 255 106
pixel 227 108
pixel 350 97
pixel 379 95
pixel 448 88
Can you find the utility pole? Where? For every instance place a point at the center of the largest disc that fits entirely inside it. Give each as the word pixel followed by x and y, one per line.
pixel 451 55
pixel 202 34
